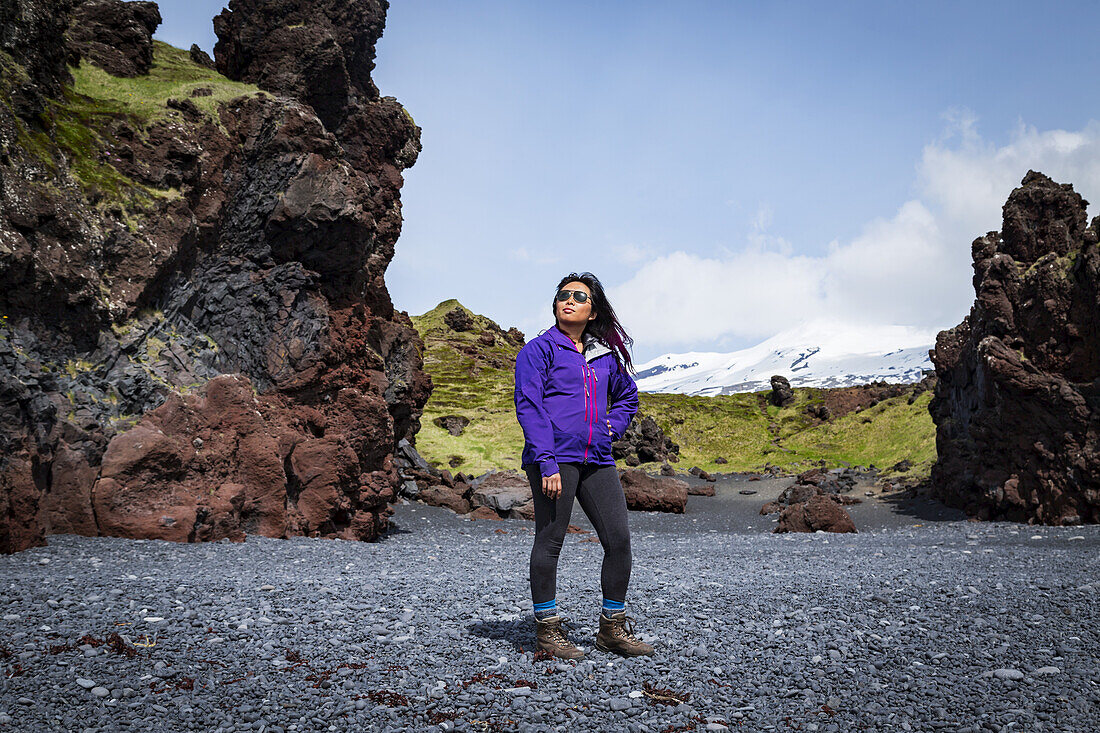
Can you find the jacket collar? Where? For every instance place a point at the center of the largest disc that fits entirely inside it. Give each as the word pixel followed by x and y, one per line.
pixel 592 347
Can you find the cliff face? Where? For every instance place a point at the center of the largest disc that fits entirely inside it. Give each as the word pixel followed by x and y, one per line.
pixel 1017 404
pixel 196 340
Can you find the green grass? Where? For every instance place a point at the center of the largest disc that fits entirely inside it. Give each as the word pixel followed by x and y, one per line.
pixel 742 428
pixel 77 126
pixel 144 98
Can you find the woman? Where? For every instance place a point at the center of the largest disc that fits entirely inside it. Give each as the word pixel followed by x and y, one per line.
pixel 574 395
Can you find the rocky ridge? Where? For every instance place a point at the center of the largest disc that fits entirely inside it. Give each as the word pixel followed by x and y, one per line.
pixel 196 339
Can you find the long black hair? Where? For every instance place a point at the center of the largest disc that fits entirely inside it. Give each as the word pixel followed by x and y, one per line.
pixel 605 327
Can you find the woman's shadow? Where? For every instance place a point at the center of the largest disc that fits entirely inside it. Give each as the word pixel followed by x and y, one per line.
pixel 520 632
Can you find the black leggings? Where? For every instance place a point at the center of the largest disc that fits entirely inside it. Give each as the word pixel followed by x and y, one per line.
pixel 602 499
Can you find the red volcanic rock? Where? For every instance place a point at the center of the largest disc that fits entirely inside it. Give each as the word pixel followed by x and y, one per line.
pixel 706 489
pixel 653 494
pixel 444 496
pixel 483 512
pixel 243 251
pixel 259 469
pixel 1017 401
pixel 819 513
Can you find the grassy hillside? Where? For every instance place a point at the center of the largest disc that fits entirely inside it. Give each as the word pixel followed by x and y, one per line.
pixel 474 380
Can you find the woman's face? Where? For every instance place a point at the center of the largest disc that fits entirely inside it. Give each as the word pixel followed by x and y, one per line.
pixel 570 311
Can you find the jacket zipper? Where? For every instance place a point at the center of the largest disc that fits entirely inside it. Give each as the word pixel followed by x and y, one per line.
pixel 587 411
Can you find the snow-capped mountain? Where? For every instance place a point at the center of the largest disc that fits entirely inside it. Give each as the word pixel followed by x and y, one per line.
pixel 810 355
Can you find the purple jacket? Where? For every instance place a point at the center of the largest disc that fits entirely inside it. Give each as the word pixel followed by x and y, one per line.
pixel 571 406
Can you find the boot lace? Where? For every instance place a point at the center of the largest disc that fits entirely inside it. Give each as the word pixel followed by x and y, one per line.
pixel 625 629
pixel 555 632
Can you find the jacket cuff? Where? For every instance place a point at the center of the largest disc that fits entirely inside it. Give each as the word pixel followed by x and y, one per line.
pixel 548 468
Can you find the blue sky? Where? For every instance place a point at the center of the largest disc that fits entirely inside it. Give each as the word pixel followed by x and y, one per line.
pixel 727 169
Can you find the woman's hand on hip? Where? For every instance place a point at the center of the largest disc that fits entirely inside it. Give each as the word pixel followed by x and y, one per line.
pixel 551 485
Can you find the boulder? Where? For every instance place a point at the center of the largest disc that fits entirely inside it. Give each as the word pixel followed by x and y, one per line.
pixel 653 494
pixel 644 442
pixel 484 512
pixel 447 497
pixel 526 510
pixel 453 424
pixel 501 491
pixel 781 394
pixel 819 513
pixel 458 319
pixel 1017 398
pixel 701 489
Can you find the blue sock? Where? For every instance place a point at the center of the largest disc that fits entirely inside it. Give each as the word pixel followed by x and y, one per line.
pixel 547 609
pixel 610 606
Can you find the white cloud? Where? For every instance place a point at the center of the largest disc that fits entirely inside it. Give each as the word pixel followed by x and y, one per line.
pixel 911 269
pixel 632 254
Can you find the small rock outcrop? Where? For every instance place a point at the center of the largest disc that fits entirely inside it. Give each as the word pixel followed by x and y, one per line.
pixel 781 394
pixel 114 35
pixel 1017 401
pixel 653 493
pixel 458 319
pixel 644 442
pixel 793 503
pixel 819 513
pixel 453 424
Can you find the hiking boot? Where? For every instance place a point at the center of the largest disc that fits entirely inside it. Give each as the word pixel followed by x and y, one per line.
pixel 551 636
pixel 617 635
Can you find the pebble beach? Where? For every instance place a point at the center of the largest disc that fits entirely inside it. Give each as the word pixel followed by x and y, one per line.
pixel 922 621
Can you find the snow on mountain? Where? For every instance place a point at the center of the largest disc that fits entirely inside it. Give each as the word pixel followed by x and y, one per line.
pixel 816 354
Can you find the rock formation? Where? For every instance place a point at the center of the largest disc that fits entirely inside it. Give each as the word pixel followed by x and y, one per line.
pixel 818 513
pixel 196 340
pixel 781 394
pixel 114 35
pixel 645 493
pixel 815 502
pixel 1017 403
pixel 644 442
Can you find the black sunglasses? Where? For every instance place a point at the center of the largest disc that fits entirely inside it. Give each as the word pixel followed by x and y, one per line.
pixel 578 295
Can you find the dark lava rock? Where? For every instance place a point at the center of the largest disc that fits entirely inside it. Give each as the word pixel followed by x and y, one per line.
pixel 1017 402
pixel 515 337
pixel 453 424
pixel 244 304
pixel 200 57
pixel 700 473
pixel 820 411
pixel 721 460
pixel 818 513
pixel 653 493
pixel 644 442
pixel 902 465
pixel 458 319
pixel 32 33
pixel 813 483
pixel 781 394
pixel 114 35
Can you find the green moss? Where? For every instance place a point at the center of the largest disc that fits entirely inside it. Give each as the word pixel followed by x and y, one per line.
pixel 78 366
pixel 153 347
